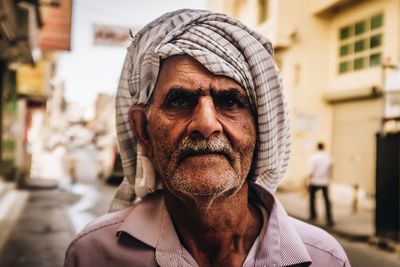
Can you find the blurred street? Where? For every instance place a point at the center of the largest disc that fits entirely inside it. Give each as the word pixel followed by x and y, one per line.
pixel 49 221
pixel 362 254
pixel 354 231
pixel 40 220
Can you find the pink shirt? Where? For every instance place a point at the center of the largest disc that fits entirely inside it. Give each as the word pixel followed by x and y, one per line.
pixel 144 235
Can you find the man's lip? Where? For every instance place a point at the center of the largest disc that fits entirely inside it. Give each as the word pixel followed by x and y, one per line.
pixel 195 154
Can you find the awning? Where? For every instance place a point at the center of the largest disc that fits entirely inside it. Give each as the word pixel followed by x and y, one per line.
pixel 16 32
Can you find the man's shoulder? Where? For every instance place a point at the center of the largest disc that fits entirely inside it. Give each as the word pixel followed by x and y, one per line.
pixel 101 243
pixel 106 224
pixel 111 217
pixel 106 221
pixel 323 248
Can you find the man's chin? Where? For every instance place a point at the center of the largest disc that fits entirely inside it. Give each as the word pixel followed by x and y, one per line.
pixel 204 191
pixel 203 197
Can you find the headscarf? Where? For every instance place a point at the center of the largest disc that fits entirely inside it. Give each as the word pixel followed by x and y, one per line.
pixel 224 46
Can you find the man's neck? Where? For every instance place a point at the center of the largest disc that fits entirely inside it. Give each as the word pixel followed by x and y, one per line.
pixel 216 233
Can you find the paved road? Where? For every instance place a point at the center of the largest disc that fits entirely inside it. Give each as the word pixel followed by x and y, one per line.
pixel 50 220
pixel 42 232
pixel 362 254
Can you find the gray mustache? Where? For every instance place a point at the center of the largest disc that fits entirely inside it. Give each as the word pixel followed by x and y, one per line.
pixel 190 147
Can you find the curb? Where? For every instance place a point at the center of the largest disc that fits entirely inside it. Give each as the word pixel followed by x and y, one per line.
pixel 12 203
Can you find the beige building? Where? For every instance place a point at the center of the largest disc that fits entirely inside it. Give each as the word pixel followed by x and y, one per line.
pixel 331 55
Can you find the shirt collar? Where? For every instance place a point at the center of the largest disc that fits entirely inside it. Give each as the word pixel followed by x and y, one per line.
pixel 145 220
pixel 282 245
pixel 150 223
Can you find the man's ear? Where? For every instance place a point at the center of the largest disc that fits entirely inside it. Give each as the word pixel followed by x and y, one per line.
pixel 138 122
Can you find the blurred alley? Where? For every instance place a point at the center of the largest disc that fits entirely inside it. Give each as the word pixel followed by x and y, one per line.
pixel 48 221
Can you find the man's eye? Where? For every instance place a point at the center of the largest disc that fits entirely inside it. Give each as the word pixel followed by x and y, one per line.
pixel 228 101
pixel 180 102
pixel 177 102
pixel 178 98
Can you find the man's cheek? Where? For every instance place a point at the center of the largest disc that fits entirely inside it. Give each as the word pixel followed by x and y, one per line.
pixel 161 149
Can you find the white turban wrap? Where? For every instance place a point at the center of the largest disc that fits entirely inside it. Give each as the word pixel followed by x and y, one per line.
pixel 225 47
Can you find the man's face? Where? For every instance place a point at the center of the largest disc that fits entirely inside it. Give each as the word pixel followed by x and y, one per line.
pixel 201 129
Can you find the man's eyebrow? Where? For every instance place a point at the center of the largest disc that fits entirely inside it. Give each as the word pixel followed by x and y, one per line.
pixel 231 90
pixel 181 91
pixel 239 94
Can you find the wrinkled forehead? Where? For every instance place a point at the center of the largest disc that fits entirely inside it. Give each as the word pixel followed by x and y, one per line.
pixel 186 72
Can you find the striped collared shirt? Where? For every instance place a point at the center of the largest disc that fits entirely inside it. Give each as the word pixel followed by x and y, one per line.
pixel 144 235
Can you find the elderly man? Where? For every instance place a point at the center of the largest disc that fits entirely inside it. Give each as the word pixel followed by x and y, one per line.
pixel 204 138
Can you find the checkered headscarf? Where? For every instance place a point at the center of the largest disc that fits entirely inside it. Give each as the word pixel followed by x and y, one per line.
pixel 225 47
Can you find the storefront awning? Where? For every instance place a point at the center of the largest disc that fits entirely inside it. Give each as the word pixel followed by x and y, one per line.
pixel 16 31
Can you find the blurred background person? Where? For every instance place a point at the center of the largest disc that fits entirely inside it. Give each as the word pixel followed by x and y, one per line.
pixel 319 178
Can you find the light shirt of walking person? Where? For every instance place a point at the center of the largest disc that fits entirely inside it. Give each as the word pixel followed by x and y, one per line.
pixel 320 175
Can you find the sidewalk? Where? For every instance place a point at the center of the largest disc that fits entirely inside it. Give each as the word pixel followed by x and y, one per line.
pixel 12 202
pixel 42 231
pixel 355 226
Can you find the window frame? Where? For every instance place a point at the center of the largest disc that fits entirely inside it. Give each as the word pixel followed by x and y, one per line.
pixel 359 40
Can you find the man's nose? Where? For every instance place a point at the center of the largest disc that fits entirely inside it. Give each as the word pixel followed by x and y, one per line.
pixel 204 119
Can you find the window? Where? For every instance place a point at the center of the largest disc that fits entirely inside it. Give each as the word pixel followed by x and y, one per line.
pixel 359 63
pixel 360 27
pixel 376 41
pixel 345 50
pixel 344 67
pixel 376 22
pixel 345 33
pixel 360 44
pixel 374 59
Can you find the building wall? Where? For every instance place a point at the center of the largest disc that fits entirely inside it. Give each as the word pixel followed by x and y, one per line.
pixel 356 123
pixel 247 11
pixel 304 73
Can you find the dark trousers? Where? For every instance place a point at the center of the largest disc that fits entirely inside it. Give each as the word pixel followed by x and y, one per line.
pixel 313 213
